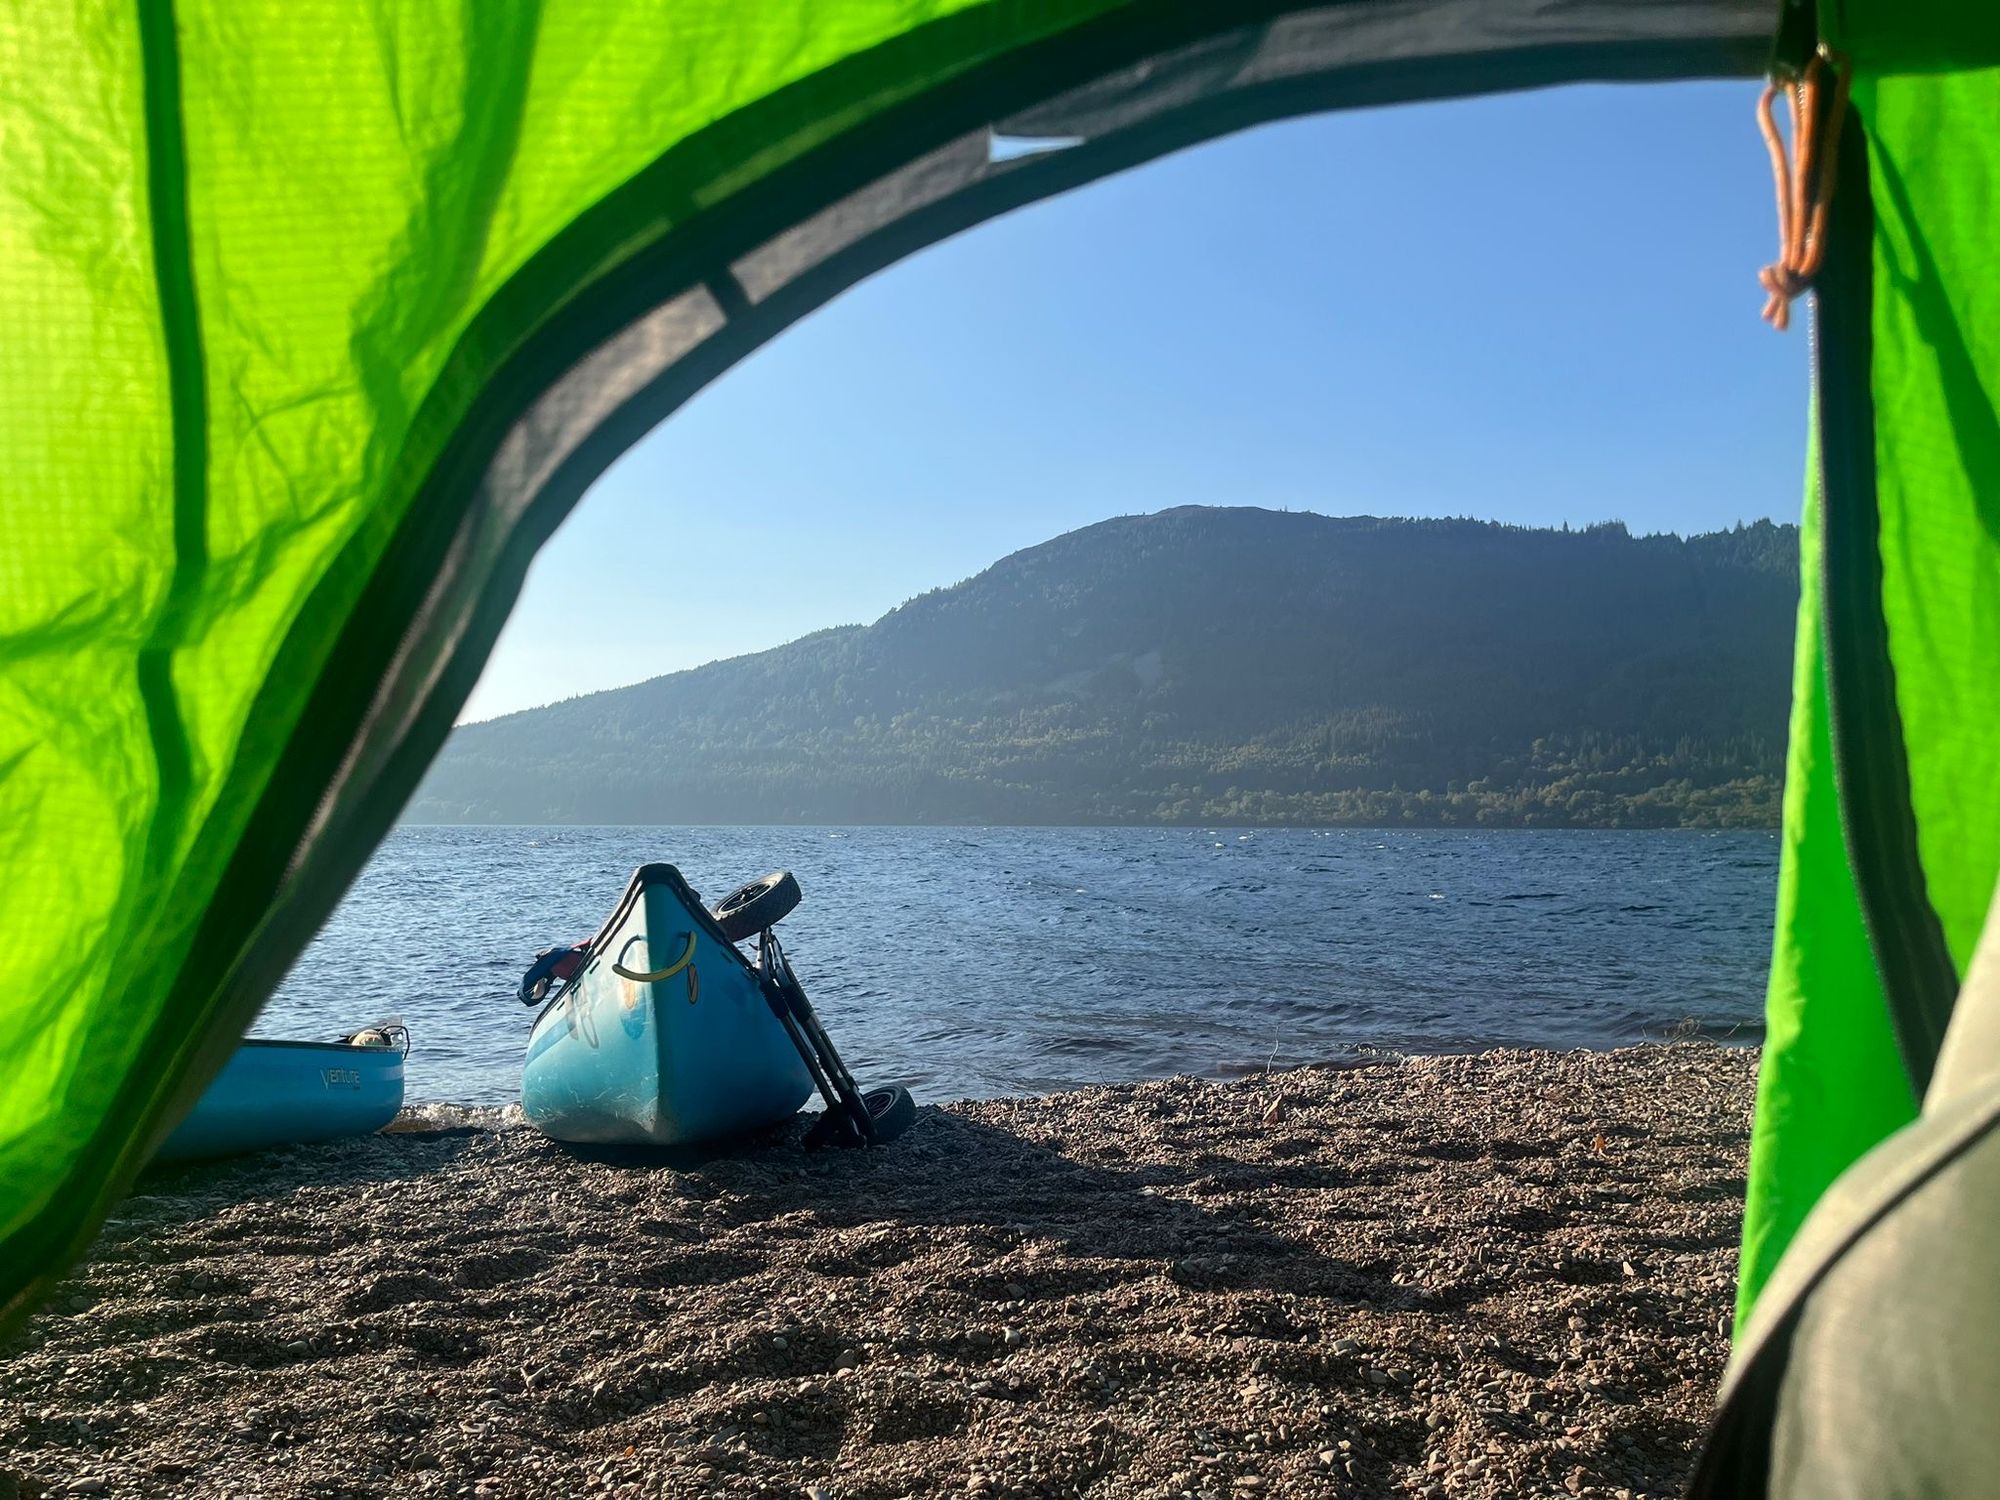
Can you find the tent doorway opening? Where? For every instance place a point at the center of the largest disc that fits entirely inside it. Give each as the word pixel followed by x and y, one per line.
pixel 1054 525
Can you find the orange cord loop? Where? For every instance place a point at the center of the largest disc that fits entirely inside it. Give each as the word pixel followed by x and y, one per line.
pixel 1805 180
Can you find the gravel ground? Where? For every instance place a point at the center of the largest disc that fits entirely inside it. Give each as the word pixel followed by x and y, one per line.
pixel 1494 1276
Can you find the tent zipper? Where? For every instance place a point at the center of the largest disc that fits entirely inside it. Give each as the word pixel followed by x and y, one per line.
pixel 1871 764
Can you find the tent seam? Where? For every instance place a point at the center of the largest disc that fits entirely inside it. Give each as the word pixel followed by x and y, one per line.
pixel 187 392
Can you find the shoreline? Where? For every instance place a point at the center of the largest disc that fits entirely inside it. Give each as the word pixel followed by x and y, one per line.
pixel 1484 1275
pixel 1207 825
pixel 422 1116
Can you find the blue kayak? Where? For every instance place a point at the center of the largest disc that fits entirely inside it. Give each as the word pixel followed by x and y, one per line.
pixel 284 1093
pixel 664 1035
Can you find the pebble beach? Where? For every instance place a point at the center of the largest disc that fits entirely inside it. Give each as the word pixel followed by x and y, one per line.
pixel 1499 1275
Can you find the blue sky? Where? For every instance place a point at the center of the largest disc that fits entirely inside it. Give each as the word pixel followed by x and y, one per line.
pixel 1538 308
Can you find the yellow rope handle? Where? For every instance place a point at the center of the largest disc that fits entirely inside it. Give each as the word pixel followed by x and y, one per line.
pixel 618 967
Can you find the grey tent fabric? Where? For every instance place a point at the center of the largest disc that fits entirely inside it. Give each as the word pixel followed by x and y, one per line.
pixel 1871 1369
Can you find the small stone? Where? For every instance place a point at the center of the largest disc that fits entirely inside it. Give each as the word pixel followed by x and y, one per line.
pixel 848 1360
pixel 1275 1115
pixel 1346 1346
pixel 1011 1337
pixel 818 1492
pixel 1249 1482
pixel 91 1486
pixel 779 1341
pixel 1329 1456
pixel 1016 1290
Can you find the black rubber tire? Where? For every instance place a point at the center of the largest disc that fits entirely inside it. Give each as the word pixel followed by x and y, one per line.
pixel 892 1109
pixel 750 909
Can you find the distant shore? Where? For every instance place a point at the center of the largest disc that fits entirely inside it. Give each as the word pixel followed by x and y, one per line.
pixel 1498 1275
pixel 1764 820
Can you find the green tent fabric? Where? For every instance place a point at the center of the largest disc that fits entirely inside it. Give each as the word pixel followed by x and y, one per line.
pixel 322 314
pixel 1833 1083
pixel 1892 827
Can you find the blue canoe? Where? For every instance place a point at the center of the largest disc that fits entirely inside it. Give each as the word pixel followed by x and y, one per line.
pixel 664 1037
pixel 284 1093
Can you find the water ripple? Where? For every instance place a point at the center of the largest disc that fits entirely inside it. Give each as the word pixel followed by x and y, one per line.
pixel 1026 960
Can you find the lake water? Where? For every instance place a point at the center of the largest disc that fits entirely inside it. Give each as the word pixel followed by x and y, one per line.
pixel 969 962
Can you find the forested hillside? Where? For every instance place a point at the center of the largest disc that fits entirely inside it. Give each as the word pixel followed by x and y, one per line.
pixel 1205 665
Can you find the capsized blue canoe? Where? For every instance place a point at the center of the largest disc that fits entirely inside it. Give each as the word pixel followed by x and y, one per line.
pixel 664 1037
pixel 286 1093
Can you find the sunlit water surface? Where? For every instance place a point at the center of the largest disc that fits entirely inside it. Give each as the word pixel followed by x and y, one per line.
pixel 970 962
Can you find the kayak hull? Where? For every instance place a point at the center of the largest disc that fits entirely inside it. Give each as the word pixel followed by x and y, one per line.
pixel 664 1038
pixel 273 1093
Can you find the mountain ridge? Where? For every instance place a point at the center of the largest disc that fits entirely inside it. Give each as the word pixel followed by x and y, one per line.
pixel 1205 664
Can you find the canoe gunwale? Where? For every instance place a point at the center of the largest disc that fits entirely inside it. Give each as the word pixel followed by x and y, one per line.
pixel 654 873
